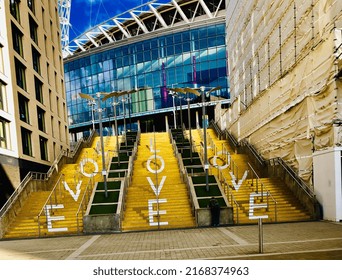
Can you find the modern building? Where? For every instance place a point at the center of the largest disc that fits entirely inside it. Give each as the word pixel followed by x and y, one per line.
pixel 33 118
pixel 285 66
pixel 152 48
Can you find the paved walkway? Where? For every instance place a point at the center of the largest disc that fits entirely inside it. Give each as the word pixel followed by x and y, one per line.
pixel 308 240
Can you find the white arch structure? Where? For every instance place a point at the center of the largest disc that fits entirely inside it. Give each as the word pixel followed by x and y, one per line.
pixel 144 19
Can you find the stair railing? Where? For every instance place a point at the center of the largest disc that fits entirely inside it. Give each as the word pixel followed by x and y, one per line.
pixel 295 177
pixel 297 186
pixel 51 200
pixel 237 208
pixel 255 178
pixel 229 194
pixel 84 202
pixel 16 192
pixel 217 129
pixel 253 154
pixel 231 140
pixel 269 195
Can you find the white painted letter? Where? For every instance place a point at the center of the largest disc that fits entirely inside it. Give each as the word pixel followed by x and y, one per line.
pixel 50 218
pixel 148 165
pixel 78 190
pixel 83 162
pixel 152 213
pixel 223 166
pixel 253 206
pixel 157 189
pixel 238 185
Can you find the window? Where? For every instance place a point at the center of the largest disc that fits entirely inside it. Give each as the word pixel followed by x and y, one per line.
pixel 23 108
pixel 43 17
pixel 30 4
pixel 20 74
pixel 2 96
pixel 43 148
pixel 17 38
pixel 41 119
pixel 14 8
pixel 2 59
pixel 33 30
pixel 3 128
pixel 39 89
pixel 26 141
pixel 36 60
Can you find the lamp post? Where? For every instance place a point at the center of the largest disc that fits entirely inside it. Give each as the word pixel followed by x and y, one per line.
pixel 92 103
pixel 99 110
pixel 173 94
pixel 123 101
pixel 180 106
pixel 115 95
pixel 206 165
pixel 186 91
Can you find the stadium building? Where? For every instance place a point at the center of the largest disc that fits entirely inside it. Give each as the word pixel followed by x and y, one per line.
pixel 156 47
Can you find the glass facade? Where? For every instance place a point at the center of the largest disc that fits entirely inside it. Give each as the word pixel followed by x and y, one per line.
pixel 184 59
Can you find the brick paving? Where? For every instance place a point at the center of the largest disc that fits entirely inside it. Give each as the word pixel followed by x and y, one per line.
pixel 305 240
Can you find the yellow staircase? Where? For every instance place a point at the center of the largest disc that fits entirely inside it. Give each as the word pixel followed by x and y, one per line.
pixel 162 201
pixel 283 205
pixel 67 198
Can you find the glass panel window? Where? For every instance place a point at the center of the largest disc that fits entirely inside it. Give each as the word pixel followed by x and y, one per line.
pixel 23 108
pixel 17 38
pixel 39 89
pixel 30 4
pixel 14 8
pixel 41 119
pixel 2 96
pixel 1 58
pixel 36 60
pixel 43 148
pixel 20 74
pixel 26 141
pixel 33 30
pixel 3 139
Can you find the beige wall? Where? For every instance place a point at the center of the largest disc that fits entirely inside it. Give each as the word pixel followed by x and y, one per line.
pixel 51 75
pixel 284 90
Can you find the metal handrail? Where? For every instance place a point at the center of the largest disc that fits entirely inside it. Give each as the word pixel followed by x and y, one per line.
pixel 48 200
pixel 217 129
pixel 237 208
pixel 231 139
pixel 17 191
pixel 43 176
pixel 295 177
pixel 275 205
pixel 257 178
pixel 254 152
pixel 84 201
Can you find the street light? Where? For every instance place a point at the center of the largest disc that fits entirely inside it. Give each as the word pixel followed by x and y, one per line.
pixel 99 110
pixel 115 95
pixel 187 91
pixel 206 164
pixel 92 103
pixel 173 94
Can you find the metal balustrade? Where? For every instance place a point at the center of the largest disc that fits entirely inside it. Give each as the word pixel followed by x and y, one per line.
pixel 52 199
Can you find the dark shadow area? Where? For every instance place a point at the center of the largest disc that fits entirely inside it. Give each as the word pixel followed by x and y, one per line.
pixel 6 188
